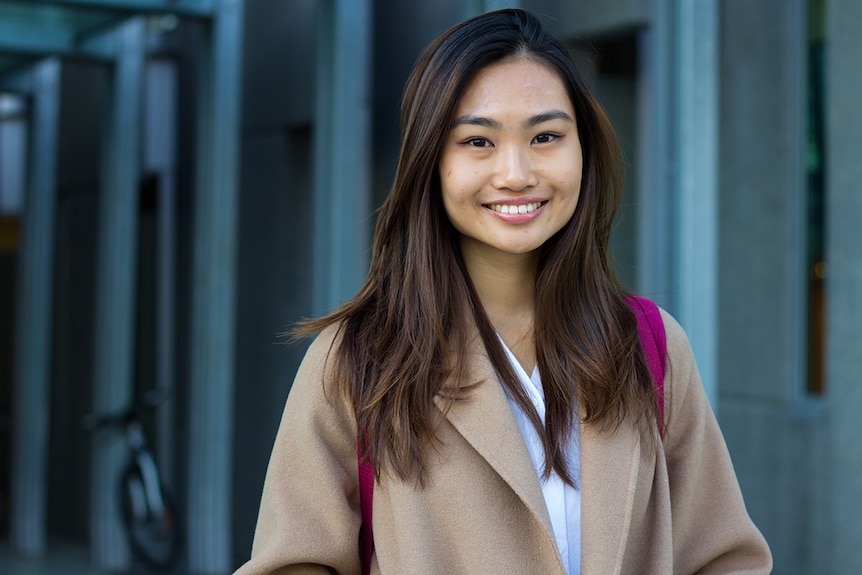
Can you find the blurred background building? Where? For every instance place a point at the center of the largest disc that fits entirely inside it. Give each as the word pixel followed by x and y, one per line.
pixel 182 179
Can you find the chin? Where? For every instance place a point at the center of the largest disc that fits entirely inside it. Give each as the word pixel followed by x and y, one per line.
pixel 520 250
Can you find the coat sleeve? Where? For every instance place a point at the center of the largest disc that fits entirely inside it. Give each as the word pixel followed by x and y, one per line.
pixel 712 531
pixel 309 514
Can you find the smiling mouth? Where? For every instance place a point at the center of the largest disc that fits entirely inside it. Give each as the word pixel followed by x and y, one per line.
pixel 516 209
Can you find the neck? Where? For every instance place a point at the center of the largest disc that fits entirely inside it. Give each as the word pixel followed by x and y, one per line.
pixel 504 287
pixel 505 284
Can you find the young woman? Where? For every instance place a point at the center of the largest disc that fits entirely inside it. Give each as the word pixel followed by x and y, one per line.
pixel 490 368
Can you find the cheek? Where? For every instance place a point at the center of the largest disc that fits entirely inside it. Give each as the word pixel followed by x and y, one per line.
pixel 575 181
pixel 455 216
pixel 455 187
pixel 573 196
pixel 450 200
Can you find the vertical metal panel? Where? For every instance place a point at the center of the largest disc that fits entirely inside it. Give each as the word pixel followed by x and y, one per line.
pixel 697 144
pixel 115 289
pixel 678 181
pixel 322 300
pixel 33 324
pixel 160 157
pixel 657 167
pixel 13 153
pixel 213 293
pixel 342 152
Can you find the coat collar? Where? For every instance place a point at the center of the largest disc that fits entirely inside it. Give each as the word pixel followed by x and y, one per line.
pixel 486 422
pixel 609 464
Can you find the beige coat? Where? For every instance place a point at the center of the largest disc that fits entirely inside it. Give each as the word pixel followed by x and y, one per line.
pixel 675 509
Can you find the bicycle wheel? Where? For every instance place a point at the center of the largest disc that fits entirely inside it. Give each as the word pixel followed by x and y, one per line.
pixel 153 532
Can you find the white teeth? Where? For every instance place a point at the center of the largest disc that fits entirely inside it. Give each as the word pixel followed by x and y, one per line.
pixel 516 209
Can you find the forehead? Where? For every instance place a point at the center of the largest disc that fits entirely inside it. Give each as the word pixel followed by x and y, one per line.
pixel 521 85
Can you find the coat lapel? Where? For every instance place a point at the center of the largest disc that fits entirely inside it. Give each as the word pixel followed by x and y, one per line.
pixel 486 422
pixel 609 475
pixel 609 465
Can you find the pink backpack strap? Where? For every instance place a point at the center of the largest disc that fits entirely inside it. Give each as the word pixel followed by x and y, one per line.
pixel 654 343
pixel 366 497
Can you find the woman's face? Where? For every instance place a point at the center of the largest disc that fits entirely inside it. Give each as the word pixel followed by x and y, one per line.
pixel 511 164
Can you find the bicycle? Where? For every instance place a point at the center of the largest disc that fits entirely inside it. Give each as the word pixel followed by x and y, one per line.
pixel 148 510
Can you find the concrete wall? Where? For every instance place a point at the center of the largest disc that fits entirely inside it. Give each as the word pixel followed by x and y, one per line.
pixel 274 263
pixel 609 66
pixel 773 429
pixel 585 18
pixel 844 212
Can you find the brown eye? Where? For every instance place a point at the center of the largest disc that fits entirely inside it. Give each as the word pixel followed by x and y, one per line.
pixel 544 138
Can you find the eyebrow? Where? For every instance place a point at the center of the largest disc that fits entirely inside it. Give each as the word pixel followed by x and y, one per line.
pixel 531 122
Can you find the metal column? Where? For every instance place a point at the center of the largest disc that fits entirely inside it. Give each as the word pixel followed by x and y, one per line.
pixel 115 289
pixel 678 181
pixel 159 156
pixel 213 292
pixel 342 204
pixel 697 145
pixel 33 324
pixel 657 168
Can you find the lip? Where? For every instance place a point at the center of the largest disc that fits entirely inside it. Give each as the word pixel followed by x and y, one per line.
pixel 517 218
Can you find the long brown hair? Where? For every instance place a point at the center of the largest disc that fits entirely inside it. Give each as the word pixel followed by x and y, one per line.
pixel 403 334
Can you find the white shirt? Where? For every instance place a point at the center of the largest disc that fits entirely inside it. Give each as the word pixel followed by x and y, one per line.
pixel 563 500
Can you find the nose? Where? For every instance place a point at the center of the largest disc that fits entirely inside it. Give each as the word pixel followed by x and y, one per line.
pixel 514 170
